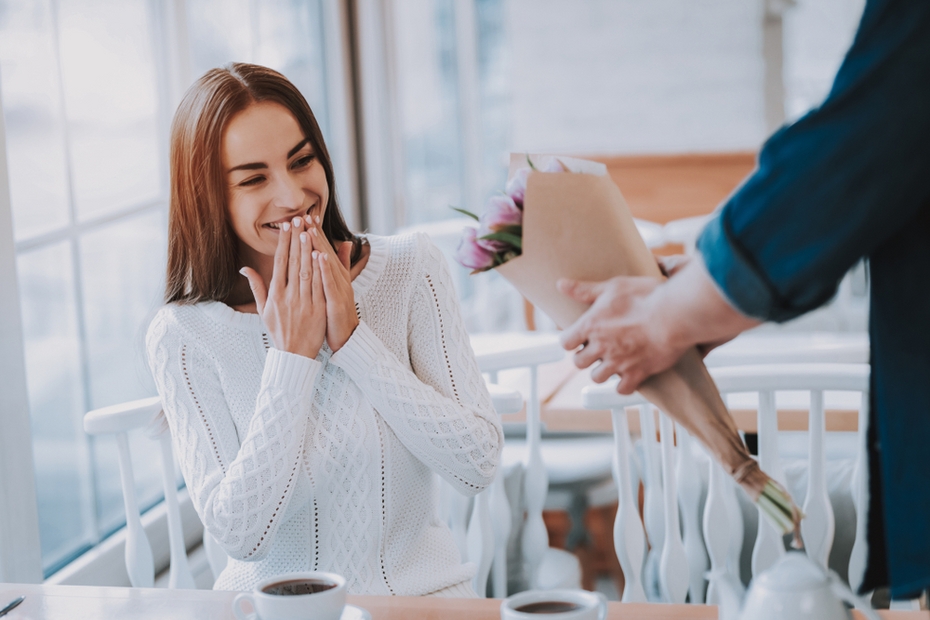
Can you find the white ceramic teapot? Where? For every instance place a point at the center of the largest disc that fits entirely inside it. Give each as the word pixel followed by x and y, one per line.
pixel 794 587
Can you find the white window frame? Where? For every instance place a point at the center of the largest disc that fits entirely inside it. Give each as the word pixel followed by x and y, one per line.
pixel 20 556
pixel 20 550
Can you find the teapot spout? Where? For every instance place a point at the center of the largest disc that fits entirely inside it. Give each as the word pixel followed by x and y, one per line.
pixel 730 592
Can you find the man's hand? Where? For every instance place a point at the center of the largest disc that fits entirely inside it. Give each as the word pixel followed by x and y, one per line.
pixel 618 330
pixel 638 326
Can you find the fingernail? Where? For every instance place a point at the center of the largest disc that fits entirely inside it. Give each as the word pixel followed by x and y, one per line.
pixel 285 226
pixel 296 222
pixel 316 254
pixel 303 237
pixel 242 271
pixel 316 218
pixel 309 219
pixel 313 231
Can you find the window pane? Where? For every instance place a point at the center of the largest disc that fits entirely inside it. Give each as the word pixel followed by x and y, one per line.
pixel 56 397
pixel 424 35
pixel 494 94
pixel 219 33
pixel 122 269
pixel 109 84
pixel 290 40
pixel 285 35
pixel 31 106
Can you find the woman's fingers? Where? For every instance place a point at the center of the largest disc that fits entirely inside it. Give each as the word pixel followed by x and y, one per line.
pixel 279 273
pixel 320 242
pixel 306 267
pixel 330 289
pixel 258 287
pixel 318 295
pixel 293 259
pixel 345 254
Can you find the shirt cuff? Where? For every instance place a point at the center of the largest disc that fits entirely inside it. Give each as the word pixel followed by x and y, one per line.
pixel 734 271
pixel 359 352
pixel 291 372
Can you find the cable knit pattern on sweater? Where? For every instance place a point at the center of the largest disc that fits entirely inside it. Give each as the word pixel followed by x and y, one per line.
pixel 297 464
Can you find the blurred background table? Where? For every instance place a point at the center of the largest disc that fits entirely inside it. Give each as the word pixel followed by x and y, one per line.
pixel 561 382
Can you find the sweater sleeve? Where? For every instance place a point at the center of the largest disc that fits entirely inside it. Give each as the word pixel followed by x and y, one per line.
pixel 439 406
pixel 240 486
pixel 838 183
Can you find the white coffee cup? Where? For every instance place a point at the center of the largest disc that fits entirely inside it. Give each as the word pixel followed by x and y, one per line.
pixel 555 605
pixel 295 596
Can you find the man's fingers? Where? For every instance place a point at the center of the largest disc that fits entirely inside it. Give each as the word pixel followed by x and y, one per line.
pixel 629 381
pixel 574 336
pixel 257 286
pixel 587 356
pixel 602 373
pixel 585 292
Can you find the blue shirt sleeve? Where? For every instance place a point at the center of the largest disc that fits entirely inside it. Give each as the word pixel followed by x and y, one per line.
pixel 837 183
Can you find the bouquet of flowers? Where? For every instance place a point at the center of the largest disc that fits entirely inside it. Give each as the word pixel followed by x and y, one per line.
pixel 549 225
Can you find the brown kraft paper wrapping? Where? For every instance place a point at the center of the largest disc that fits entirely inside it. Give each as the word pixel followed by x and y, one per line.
pixel 578 226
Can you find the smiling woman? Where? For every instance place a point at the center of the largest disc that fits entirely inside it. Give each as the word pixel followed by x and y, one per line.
pixel 254 123
pixel 312 401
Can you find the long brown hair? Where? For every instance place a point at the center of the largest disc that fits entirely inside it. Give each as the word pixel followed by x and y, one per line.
pixel 203 250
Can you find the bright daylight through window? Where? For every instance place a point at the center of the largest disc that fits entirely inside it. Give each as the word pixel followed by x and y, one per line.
pixel 86 98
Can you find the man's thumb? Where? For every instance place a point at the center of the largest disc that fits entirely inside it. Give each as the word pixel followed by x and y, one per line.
pixel 585 292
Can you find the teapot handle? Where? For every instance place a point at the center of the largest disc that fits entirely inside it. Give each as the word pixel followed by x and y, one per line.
pixel 848 596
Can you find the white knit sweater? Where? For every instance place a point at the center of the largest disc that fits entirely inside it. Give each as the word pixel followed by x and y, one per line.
pixel 296 464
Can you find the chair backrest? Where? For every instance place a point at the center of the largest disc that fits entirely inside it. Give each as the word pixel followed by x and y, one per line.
pixel 488 524
pixel 686 550
pixel 119 420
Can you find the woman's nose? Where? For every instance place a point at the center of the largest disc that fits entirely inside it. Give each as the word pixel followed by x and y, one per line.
pixel 287 193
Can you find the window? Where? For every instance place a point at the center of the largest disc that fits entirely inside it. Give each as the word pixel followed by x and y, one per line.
pixel 88 90
pixel 452 101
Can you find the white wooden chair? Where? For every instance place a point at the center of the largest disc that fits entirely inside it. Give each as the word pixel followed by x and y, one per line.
pixel 481 527
pixel 144 414
pixel 119 420
pixel 496 353
pixel 682 562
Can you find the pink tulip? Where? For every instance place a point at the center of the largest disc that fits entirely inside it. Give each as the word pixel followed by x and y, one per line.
pixel 500 212
pixel 470 254
pixel 516 186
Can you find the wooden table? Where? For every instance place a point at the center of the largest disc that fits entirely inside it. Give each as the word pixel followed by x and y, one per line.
pixel 96 603
pixel 561 383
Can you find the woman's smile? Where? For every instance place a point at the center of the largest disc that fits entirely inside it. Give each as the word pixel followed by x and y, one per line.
pixel 273 176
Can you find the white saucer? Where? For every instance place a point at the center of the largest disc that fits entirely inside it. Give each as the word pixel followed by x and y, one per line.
pixel 351 612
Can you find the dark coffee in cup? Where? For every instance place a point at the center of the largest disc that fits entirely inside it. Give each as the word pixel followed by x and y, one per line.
pixel 298 586
pixel 548 607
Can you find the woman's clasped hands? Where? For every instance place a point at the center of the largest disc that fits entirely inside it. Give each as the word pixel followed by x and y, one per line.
pixel 309 299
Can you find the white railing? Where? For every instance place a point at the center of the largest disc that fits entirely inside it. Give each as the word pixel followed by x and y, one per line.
pixel 683 562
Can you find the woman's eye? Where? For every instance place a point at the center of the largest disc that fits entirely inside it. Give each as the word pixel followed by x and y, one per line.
pixel 252 181
pixel 306 160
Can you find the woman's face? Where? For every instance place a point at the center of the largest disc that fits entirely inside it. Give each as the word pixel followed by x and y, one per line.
pixel 273 175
